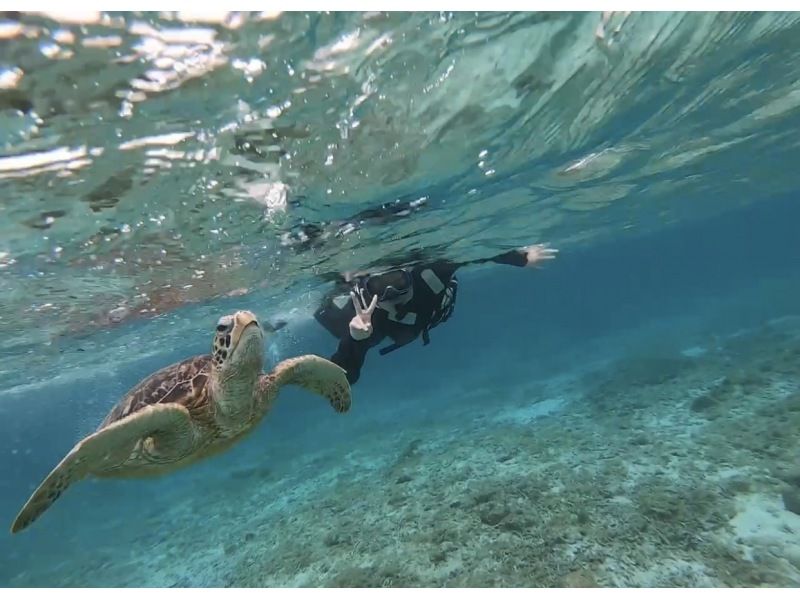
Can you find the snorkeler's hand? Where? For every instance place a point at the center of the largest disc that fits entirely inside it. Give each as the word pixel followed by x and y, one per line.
pixel 536 254
pixel 361 324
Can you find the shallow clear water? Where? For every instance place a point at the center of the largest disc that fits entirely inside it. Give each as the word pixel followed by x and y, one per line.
pixel 158 170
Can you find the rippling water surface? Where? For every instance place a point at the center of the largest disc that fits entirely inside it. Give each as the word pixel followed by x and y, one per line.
pixel 151 161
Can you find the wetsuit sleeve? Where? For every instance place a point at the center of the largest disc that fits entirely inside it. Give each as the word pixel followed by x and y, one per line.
pixel 515 257
pixel 350 354
pixel 445 269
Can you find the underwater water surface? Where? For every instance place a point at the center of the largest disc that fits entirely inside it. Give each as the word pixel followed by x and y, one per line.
pixel 625 415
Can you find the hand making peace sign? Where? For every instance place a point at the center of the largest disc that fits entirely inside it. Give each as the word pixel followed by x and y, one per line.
pixel 361 324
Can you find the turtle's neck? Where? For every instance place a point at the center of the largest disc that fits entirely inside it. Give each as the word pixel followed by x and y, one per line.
pixel 233 390
pixel 234 381
pixel 234 395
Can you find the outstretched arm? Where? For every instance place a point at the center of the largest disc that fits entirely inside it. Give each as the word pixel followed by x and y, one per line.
pixel 524 257
pixel 531 256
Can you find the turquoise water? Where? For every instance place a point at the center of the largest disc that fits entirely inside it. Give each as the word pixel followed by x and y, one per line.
pixel 625 415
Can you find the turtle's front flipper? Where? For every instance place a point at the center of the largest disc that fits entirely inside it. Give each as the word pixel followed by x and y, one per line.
pixel 315 374
pixel 169 425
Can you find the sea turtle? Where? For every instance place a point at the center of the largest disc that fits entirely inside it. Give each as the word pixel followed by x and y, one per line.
pixel 189 411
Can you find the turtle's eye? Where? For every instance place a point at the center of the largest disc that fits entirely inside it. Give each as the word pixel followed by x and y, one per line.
pixel 224 324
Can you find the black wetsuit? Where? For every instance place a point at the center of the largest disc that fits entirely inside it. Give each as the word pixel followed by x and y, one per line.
pixel 435 288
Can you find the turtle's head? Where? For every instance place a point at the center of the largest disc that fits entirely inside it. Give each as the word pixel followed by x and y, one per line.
pixel 238 344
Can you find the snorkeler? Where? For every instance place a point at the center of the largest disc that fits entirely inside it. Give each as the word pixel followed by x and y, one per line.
pixel 401 304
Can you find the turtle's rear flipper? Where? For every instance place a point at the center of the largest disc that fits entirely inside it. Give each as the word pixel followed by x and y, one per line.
pixel 315 374
pixel 168 424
